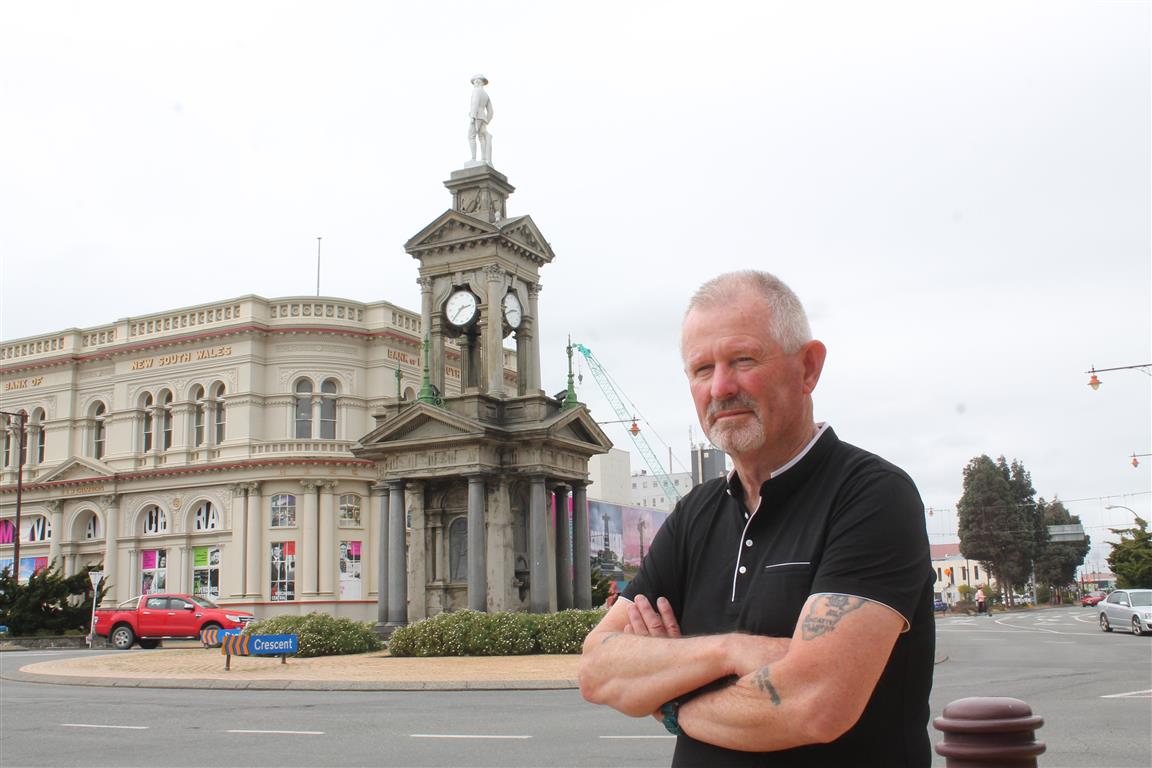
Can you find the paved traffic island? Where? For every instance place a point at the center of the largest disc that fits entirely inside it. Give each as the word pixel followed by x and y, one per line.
pixel 204 668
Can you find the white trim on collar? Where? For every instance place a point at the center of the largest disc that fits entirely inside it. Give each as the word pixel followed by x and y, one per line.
pixel 820 427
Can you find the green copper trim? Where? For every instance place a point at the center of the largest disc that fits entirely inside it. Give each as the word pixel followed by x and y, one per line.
pixel 570 400
pixel 427 391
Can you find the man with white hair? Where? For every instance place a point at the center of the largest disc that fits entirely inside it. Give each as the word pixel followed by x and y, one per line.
pixel 479 115
pixel 783 616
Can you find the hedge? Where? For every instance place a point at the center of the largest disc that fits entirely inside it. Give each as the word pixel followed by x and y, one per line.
pixel 474 633
pixel 319 634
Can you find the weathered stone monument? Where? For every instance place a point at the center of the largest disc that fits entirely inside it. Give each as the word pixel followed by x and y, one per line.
pixel 475 486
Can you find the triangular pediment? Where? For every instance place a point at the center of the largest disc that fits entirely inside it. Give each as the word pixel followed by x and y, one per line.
pixel 577 425
pixel 421 423
pixel 77 468
pixel 524 232
pixel 450 227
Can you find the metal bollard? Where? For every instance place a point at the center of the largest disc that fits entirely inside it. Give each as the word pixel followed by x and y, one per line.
pixel 985 731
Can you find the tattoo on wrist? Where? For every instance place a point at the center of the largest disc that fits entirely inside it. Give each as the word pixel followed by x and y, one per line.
pixel 761 681
pixel 610 636
pixel 826 612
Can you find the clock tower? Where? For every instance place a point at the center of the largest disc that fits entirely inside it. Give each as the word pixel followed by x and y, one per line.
pixel 483 493
pixel 479 280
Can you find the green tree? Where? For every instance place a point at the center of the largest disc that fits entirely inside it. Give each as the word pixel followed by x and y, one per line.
pixel 1131 558
pixel 48 603
pixel 1058 561
pixel 1000 523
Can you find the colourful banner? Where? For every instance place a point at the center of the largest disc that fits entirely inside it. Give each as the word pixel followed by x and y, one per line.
pixel 148 559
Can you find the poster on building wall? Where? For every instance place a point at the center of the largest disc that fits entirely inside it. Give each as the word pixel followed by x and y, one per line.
pixel 206 571
pixel 350 583
pixel 282 586
pixel 7 535
pixel 153 571
pixel 28 565
pixel 619 538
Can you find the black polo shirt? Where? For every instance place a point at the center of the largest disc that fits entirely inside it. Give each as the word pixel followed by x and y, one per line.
pixel 839 520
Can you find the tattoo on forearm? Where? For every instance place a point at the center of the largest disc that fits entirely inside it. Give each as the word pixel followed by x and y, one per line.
pixel 761 681
pixel 610 636
pixel 826 612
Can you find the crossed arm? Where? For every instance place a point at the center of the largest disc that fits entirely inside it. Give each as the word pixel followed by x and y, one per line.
pixel 806 689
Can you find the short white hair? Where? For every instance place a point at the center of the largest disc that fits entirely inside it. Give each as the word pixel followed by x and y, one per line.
pixel 787 323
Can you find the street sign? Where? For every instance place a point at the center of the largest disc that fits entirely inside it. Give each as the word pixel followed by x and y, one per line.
pixel 96 577
pixel 258 645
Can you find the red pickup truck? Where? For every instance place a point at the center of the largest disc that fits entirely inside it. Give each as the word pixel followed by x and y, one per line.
pixel 150 618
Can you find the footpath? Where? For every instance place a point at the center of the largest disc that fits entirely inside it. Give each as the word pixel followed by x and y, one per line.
pixel 195 667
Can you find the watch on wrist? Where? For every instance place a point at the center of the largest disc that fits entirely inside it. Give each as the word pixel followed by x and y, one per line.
pixel 671 712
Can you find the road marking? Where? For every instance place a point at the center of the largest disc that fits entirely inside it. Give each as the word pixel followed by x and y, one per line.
pixel 92 725
pixel 290 733
pixel 1130 695
pixel 464 736
pixel 653 736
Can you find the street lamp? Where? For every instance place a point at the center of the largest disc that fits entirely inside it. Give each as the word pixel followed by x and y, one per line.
pixel 1095 382
pixel 1119 506
pixel 21 419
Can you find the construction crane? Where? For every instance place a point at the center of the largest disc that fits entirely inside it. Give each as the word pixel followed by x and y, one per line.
pixel 617 404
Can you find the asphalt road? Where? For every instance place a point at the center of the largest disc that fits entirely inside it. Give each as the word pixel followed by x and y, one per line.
pixel 1094 691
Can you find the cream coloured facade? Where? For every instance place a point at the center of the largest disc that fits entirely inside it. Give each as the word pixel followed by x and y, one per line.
pixel 207 449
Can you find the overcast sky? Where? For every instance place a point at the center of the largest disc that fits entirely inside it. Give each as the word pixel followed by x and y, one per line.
pixel 959 192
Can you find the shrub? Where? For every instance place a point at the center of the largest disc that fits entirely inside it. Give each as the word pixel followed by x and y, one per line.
pixel 473 633
pixel 319 634
pixel 47 603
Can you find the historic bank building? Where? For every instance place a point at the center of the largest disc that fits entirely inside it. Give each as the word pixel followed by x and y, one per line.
pixel 299 454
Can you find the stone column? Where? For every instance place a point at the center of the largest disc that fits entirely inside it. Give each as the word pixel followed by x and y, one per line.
pixel 581 547
pixel 533 333
pixel 493 343
pixel 327 537
pixel 33 438
pixel 477 544
pixel 381 509
pixel 308 567
pixel 237 562
pixel 563 550
pixel 177 557
pixel 397 566
pixel 256 576
pixel 111 560
pixel 417 548
pixel 56 519
pixel 538 598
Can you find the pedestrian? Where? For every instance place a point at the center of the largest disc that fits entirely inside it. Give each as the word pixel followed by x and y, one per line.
pixel 980 598
pixel 783 614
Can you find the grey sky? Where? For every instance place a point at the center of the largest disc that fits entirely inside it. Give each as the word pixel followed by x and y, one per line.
pixel 958 191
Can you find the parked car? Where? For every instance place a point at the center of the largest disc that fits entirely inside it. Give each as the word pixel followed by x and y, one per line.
pixel 940 606
pixel 1129 609
pixel 1093 597
pixel 150 618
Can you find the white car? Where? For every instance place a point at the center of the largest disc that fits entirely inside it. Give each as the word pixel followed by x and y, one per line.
pixel 1129 609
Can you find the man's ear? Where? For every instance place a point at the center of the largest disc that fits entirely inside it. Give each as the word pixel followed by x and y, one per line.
pixel 812 356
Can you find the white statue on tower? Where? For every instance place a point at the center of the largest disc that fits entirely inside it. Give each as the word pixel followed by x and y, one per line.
pixel 479 115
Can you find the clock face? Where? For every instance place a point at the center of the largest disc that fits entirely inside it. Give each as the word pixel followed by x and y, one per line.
pixel 513 312
pixel 461 308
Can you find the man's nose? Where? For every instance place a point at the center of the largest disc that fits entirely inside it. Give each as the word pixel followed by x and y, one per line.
pixel 723 383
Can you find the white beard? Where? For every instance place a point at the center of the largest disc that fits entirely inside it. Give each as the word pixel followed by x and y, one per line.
pixel 738 438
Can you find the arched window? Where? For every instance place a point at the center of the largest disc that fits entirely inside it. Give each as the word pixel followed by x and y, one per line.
pixel 198 416
pixel 38 418
pixel 283 510
pixel 221 417
pixel 39 529
pixel 328 410
pixel 206 517
pixel 409 393
pixel 303 408
pixel 7 532
pixel 146 422
pixel 166 419
pixel 458 549
pixel 99 413
pixel 155 521
pixel 92 527
pixel 349 511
